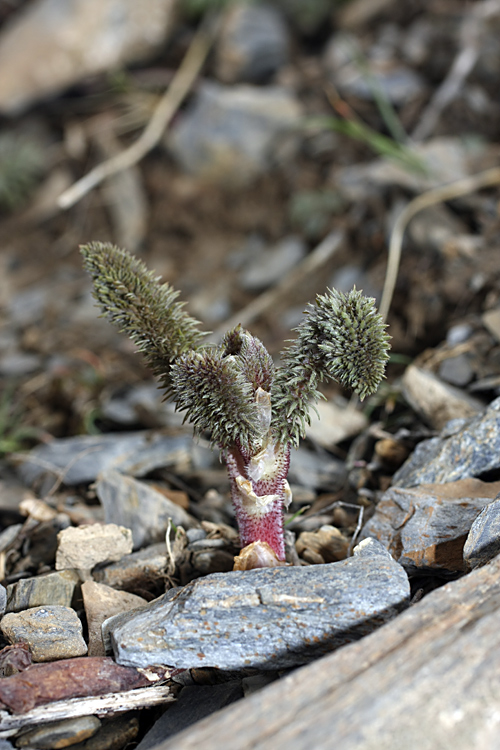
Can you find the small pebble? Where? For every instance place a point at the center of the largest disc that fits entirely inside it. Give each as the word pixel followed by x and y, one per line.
pixel 51 632
pixel 325 545
pixel 84 547
pixel 3 599
pixel 101 602
pixel 52 588
pixel 59 734
pixel 114 734
pixel 253 43
pixel 138 572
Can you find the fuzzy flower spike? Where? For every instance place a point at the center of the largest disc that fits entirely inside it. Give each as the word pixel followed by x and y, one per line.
pixel 253 411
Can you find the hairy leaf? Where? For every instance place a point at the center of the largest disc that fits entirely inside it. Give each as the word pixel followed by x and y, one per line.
pixel 342 337
pixel 133 298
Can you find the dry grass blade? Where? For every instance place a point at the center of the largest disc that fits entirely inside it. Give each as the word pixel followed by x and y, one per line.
pixel 429 198
pixel 169 104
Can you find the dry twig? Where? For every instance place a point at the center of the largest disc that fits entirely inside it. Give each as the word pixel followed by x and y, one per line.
pixel 170 102
pixel 429 198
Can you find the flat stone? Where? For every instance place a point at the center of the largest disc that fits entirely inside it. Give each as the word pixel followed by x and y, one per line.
pixel 3 599
pixel 228 133
pixel 465 448
pixel 140 571
pixel 101 602
pixel 73 39
pixel 137 506
pixel 397 83
pixel 270 618
pixel 436 401
pixel 334 423
pixel 457 370
pixel 253 43
pixel 491 321
pixel 83 457
pixel 310 469
pixel 194 703
pixel 447 158
pixel 483 541
pixel 82 547
pixel 59 733
pixel 51 632
pixel 51 588
pixel 425 528
pixel 267 267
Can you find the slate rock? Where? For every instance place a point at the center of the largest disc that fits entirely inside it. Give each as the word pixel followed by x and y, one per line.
pixel 465 448
pixel 3 599
pixel 270 618
pixel 138 572
pixel 253 44
pixel 72 39
pixel 52 588
pixel 139 507
pixel 483 541
pixel 59 733
pixel 425 528
pixel 82 547
pixel 83 457
pixel 228 133
pixel 194 703
pixel 51 632
pixel 101 602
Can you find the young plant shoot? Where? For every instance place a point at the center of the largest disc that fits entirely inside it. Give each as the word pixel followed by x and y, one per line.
pixel 254 411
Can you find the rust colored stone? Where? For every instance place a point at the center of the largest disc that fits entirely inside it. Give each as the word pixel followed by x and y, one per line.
pixel 71 678
pixel 14 659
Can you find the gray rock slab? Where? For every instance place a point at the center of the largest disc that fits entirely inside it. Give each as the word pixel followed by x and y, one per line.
pixel 430 679
pixel 52 588
pixel 483 541
pixel 72 39
pixel 228 132
pixel 194 703
pixel 82 547
pixel 51 632
pixel 268 618
pixel 425 527
pixel 465 448
pixel 83 457
pixel 137 506
pixel 60 733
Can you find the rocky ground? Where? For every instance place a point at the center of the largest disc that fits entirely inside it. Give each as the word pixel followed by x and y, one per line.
pixel 304 132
